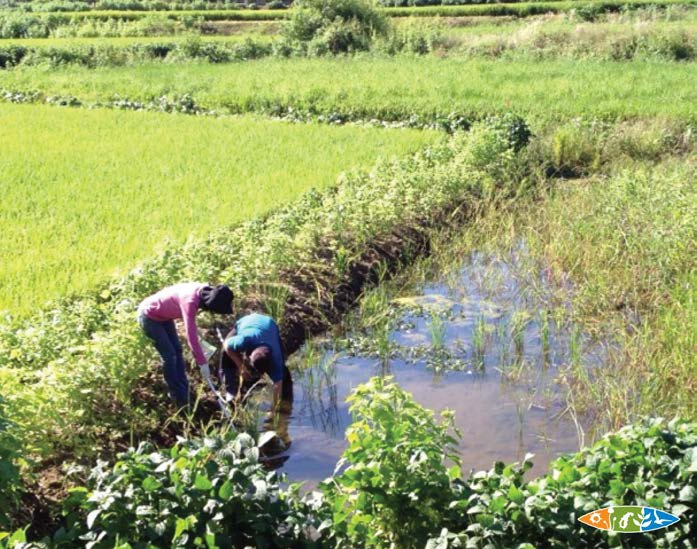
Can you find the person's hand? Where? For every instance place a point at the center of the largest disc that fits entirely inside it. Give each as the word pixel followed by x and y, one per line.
pixel 246 374
pixel 205 371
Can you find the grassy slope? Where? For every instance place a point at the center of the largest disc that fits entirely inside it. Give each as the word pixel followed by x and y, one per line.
pixel 87 192
pixel 422 85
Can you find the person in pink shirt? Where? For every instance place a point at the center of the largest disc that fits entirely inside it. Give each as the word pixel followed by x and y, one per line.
pixel 156 316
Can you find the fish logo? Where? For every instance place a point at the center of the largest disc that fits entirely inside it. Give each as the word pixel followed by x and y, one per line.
pixel 629 519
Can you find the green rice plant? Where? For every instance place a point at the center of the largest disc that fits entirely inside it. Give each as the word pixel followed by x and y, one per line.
pixel 274 298
pixel 544 333
pixel 329 87
pixel 479 342
pixel 437 330
pixel 575 150
pixel 382 342
pixel 374 310
pixel 125 185
pixel 519 322
pixel 575 348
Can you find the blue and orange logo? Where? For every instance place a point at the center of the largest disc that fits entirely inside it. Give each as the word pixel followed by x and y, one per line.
pixel 629 519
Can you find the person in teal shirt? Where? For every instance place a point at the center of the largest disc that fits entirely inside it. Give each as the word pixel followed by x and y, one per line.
pixel 254 349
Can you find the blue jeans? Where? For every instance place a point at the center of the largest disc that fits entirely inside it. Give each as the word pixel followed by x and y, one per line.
pixel 167 343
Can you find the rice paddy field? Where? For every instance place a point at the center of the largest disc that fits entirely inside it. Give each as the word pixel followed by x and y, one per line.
pixel 475 225
pixel 88 194
pixel 417 86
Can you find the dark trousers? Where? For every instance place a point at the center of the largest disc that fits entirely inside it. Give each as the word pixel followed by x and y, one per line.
pixel 164 336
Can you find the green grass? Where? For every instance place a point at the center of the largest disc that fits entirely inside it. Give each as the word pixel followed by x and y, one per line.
pixel 85 193
pixel 394 88
pixel 628 243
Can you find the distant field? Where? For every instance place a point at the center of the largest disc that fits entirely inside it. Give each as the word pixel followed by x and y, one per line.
pixel 520 9
pixel 85 193
pixel 459 31
pixel 127 40
pixel 395 87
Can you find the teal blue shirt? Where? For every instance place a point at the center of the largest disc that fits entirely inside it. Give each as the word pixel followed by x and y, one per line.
pixel 254 331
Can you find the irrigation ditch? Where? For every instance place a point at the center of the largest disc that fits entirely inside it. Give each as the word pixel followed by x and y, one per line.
pixel 316 301
pixel 317 291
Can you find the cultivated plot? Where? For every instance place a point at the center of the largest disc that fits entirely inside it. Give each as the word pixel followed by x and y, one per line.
pixel 89 192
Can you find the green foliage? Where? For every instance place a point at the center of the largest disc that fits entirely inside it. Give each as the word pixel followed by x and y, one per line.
pixel 413 36
pixel 512 128
pixel 399 484
pixel 651 463
pixel 13 540
pixel 491 147
pixel 10 480
pixel 393 488
pixel 333 26
pixel 24 26
pixel 200 493
pixel 394 484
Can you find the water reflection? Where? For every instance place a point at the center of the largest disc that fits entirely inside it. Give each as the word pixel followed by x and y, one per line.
pixel 481 343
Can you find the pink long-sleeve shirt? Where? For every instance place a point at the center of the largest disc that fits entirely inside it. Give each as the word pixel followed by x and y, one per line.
pixel 179 301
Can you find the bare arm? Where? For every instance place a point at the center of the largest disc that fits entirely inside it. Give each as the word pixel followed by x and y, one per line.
pixel 239 362
pixel 189 317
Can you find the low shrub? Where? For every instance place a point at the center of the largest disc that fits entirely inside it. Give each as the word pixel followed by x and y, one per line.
pixel 18 25
pixel 651 463
pixel 11 56
pixel 211 492
pixel 333 26
pixel 394 484
pixel 108 55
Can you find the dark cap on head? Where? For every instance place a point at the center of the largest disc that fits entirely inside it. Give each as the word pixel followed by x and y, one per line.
pixel 217 300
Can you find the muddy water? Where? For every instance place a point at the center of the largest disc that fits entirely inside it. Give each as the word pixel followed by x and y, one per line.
pixel 483 340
